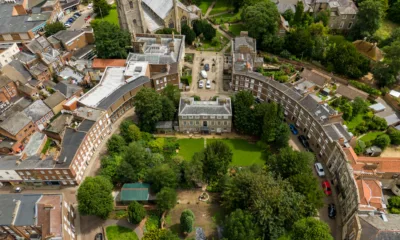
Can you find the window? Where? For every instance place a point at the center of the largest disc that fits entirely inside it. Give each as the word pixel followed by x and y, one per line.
pixel 65 171
pixel 46 177
pixel 219 117
pixel 50 172
pixel 53 177
pixel 354 16
pixel 27 173
pixel 21 173
pixel 131 4
pixel 344 16
pixel 7 173
pixel 350 25
pixel 42 172
pixel 184 117
pixel 57 172
pixel 341 24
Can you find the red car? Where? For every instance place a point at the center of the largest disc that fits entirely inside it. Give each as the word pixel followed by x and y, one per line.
pixel 326 186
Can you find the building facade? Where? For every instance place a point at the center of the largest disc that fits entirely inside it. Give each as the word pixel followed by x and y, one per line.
pixel 7 51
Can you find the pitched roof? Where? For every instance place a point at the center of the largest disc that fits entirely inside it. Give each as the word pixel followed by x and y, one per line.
pixel 4 80
pixel 15 123
pixel 370 50
pixel 135 192
pixel 160 7
pixel 70 144
pixel 103 63
pixel 67 35
pixel 375 228
pixel 37 110
pixel 18 66
pixel 370 193
pixel 351 92
pixel 55 99
pixel 188 106
pixel 67 89
pixel 316 77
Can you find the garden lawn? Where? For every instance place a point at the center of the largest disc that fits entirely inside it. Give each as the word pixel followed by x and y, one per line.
pixel 228 18
pixel 244 153
pixel 207 46
pixel 386 29
pixel 189 146
pixel 236 29
pixel 369 137
pixel 204 4
pixel 222 6
pixel 354 122
pixel 112 17
pixel 120 233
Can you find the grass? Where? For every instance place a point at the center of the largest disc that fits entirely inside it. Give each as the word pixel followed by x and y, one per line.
pixel 207 45
pixel 46 146
pixel 369 137
pixel 204 4
pixel 236 29
pixel 187 147
pixel 222 6
pixel 112 17
pixel 354 122
pixel 153 222
pixel 228 18
pixel 386 29
pixel 120 233
pixel 244 153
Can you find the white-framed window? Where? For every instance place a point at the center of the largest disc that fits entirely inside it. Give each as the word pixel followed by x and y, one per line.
pixel 219 117
pixel 65 171
pixel 197 117
pixel 212 117
pixel 27 173
pixel 226 117
pixel 350 25
pixel 57 172
pixel 42 172
pixel 184 117
pixel 344 16
pixel 341 24
pixel 190 117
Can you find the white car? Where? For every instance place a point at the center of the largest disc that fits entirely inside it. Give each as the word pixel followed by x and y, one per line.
pixel 208 84
pixel 90 6
pixel 319 169
pixel 203 74
pixel 67 25
pixel 201 84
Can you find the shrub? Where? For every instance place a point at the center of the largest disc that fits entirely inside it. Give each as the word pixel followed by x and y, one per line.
pixel 394 135
pixel 394 205
pixel 136 212
pixel 364 87
pixel 187 221
pixel 382 141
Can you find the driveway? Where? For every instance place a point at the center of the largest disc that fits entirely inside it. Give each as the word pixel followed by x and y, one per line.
pixel 334 224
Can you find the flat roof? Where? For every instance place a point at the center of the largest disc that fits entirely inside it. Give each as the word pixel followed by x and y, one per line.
pixel 113 78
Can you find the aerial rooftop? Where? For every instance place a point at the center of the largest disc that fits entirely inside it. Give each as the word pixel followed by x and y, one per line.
pixel 221 106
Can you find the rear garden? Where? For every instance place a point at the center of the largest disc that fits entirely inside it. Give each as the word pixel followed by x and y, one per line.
pixel 120 233
pixel 222 6
pixel 112 17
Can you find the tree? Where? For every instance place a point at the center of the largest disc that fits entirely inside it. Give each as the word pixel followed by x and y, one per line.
pixel 148 107
pixel 323 16
pixel 394 205
pixel 187 221
pixel 241 225
pixel 359 106
pixel 394 135
pixel 382 141
pixel 94 197
pixel 167 31
pixel 308 186
pixel 209 32
pixel 394 12
pixel 261 19
pixel 172 93
pixel 369 18
pixel 136 212
pixel 282 139
pixel 387 71
pixel 190 35
pixel 288 15
pixel 217 157
pixel 242 112
pixel 162 176
pixel 298 16
pixel 347 110
pixel 160 234
pixel 115 144
pixel 53 28
pixel 309 229
pixel 132 134
pixel 168 109
pixel 101 8
pixel 110 40
pixel 166 199
pixel 198 26
pixel 271 123
pixel 193 170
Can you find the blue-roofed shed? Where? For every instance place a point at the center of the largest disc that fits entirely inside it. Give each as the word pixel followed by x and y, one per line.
pixel 136 192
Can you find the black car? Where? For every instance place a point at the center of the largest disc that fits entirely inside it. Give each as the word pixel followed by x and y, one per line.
pixel 207 67
pixel 99 236
pixel 331 210
pixel 304 142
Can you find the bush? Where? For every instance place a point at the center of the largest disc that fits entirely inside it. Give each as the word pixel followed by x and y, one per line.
pixel 136 212
pixel 394 205
pixel 285 54
pixel 394 135
pixel 382 141
pixel 187 221
pixel 364 87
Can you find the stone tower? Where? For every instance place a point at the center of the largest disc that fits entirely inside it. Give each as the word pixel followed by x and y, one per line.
pixel 130 15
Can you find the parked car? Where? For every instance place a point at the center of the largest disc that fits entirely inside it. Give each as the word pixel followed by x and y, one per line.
pixel 67 24
pixel 71 20
pixel 77 14
pixel 331 210
pixel 98 236
pixel 207 67
pixel 319 169
pixel 208 84
pixel 293 129
pixel 18 190
pixel 90 6
pixel 203 74
pixel 326 186
pixel 304 142
pixel 201 84
pixel 87 18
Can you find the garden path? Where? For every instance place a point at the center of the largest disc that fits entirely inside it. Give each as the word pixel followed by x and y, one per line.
pixel 209 9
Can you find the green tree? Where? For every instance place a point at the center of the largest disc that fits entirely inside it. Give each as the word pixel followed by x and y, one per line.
pixel 166 199
pixel 394 205
pixel 110 40
pixel 198 26
pixel 243 113
pixel 369 18
pixel 382 141
pixel 359 106
pixel 209 32
pixel 133 133
pixel 298 16
pixel 241 225
pixel 148 107
pixel 308 186
pixel 53 28
pixel 386 72
pixel 116 144
pixel 394 135
pixel 323 16
pixel 101 8
pixel 162 176
pixel 289 16
pixel 261 19
pixel 160 234
pixel 190 35
pixel 167 31
pixel 309 229
pixel 271 123
pixel 347 110
pixel 187 221
pixel 172 93
pixel 193 170
pixel 282 139
pixel 394 12
pixel 168 109
pixel 110 166
pixel 217 157
pixel 136 212
pixel 94 197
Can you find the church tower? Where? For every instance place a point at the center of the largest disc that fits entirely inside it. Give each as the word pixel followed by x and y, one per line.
pixel 130 15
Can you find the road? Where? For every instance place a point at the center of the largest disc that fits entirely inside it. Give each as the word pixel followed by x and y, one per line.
pixel 79 23
pixel 334 224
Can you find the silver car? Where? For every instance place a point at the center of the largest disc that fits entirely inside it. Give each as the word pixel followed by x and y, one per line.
pixel 319 169
pixel 201 84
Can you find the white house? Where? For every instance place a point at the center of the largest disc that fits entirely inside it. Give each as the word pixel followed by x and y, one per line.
pixel 7 51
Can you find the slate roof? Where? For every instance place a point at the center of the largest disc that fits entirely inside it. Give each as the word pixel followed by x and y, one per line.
pixel 38 44
pixel 37 110
pixel 67 35
pixel 374 228
pixel 26 212
pixel 67 89
pixel 59 123
pixel 247 41
pixel 4 80
pixel 54 100
pixel 86 125
pixel 188 106
pixel 18 66
pixel 160 7
pixel 15 123
pixel 351 92
pixel 135 192
pixel 316 77
pixel 69 146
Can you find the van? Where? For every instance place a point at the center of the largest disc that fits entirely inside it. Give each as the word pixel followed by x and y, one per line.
pixel 203 74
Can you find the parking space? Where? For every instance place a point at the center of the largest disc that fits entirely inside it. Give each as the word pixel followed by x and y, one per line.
pixel 81 21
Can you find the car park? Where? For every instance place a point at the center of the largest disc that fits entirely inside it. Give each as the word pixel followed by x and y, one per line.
pixel 208 84
pixel 293 129
pixel 326 186
pixel 203 74
pixel 207 67
pixel 319 169
pixel 331 210
pixel 201 84
pixel 98 236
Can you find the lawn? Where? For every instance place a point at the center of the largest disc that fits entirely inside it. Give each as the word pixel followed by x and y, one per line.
pixel 244 153
pixel 120 233
pixel 207 45
pixel 204 4
pixel 369 137
pixel 236 29
pixel 222 6
pixel 354 122
pixel 112 17
pixel 227 18
pixel 386 29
